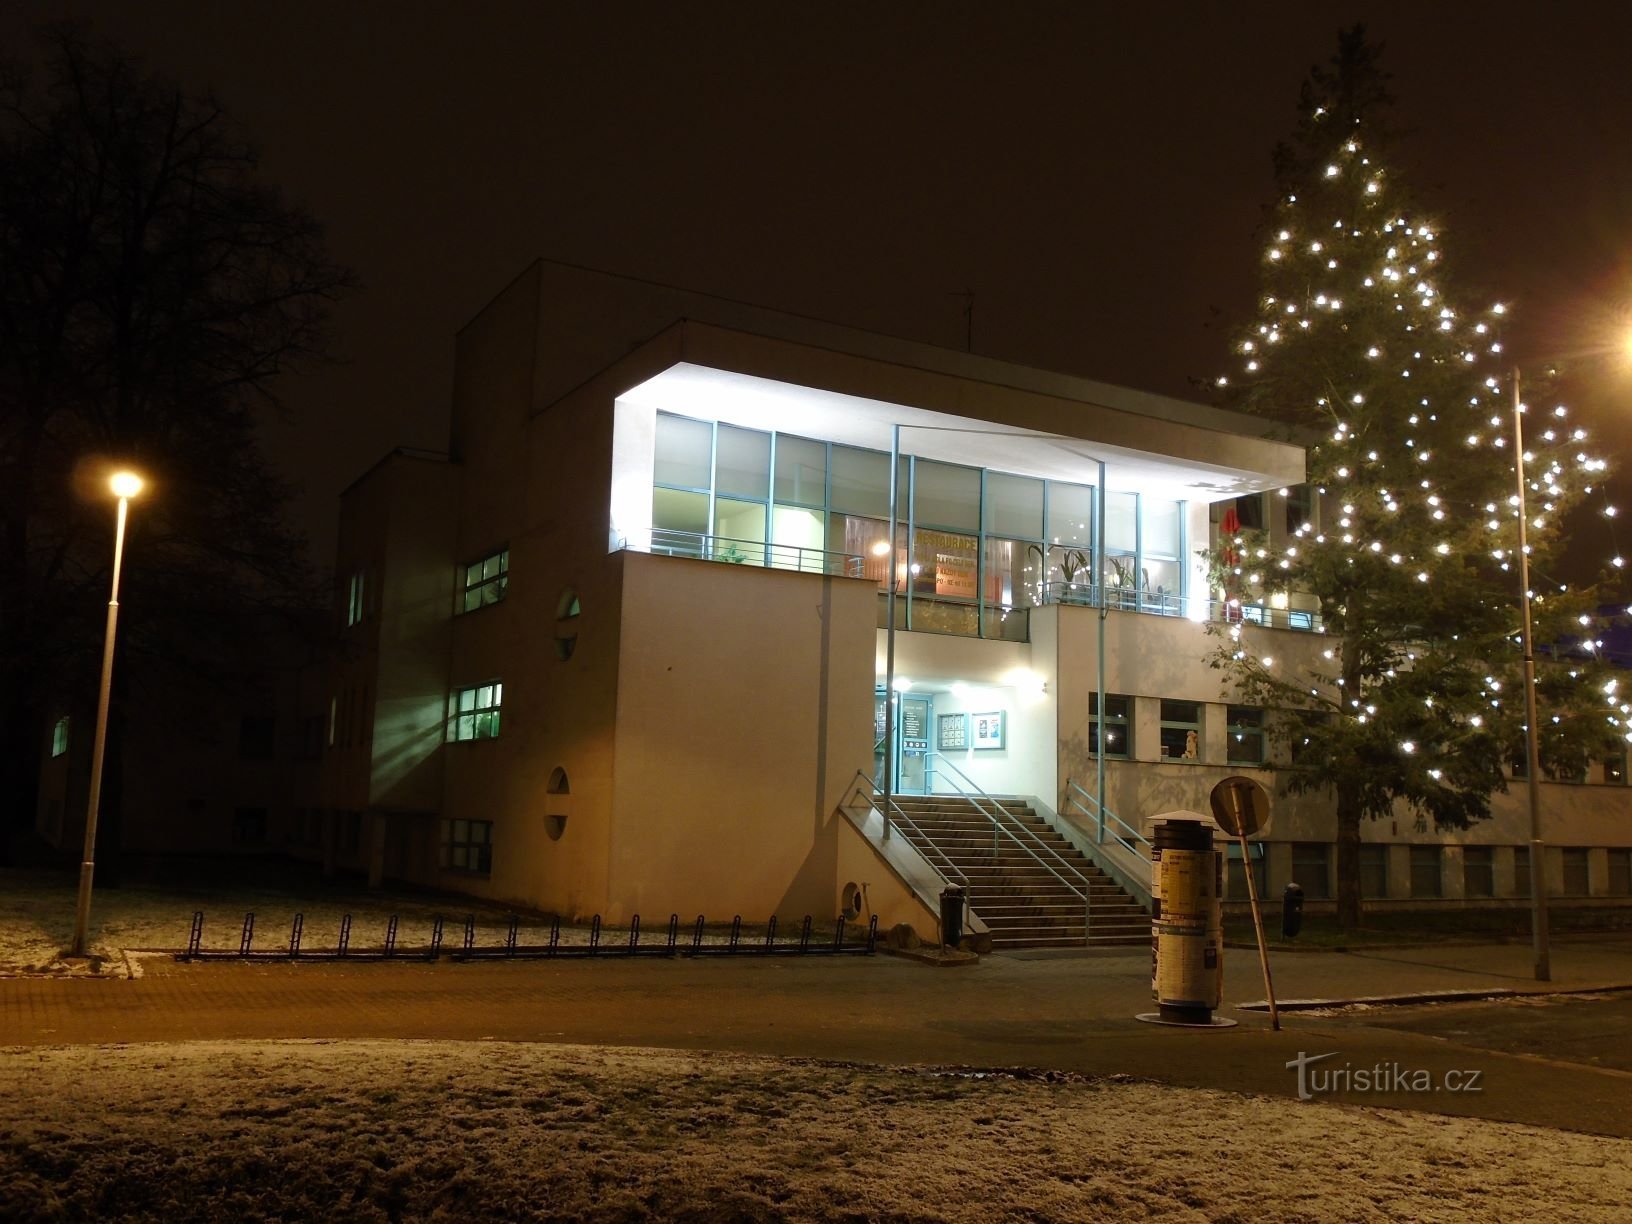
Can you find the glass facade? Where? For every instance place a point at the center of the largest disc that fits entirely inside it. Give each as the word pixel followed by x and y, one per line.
pixel 976 549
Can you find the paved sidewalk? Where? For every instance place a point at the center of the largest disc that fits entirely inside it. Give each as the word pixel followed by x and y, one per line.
pixel 1067 1011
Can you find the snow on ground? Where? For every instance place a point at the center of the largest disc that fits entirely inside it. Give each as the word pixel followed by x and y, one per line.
pixel 37 920
pixel 414 1130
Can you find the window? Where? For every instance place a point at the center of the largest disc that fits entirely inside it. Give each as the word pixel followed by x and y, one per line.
pixel 684 452
pixel 1576 879
pixel 351 833
pixel 1299 507
pixel 1310 721
pixel 59 737
pixel 1519 758
pixel 1181 730
pixel 1118 743
pixel 1521 871
pixel 255 737
pixel 1014 506
pixel 249 826
pixel 1246 746
pixel 742 463
pixel 1620 872
pixel 801 471
pixel 1249 509
pixel 467 845
pixel 1373 870
pixel 1478 872
pixel 1615 769
pixel 1311 869
pixel 486 580
pixel 1236 880
pixel 861 482
pixel 946 496
pixel 473 713
pixel 355 590
pixel 1425 871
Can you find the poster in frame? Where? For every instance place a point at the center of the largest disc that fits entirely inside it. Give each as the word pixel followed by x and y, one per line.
pixel 988 730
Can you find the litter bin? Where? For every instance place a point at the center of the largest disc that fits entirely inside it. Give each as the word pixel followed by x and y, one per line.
pixel 1292 910
pixel 951 915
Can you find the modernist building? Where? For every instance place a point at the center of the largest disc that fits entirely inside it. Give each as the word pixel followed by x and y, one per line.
pixel 624 648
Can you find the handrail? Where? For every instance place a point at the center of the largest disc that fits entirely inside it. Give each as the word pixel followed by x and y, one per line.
pixel 1100 813
pixel 1085 894
pixel 1170 603
pixel 946 869
pixel 768 554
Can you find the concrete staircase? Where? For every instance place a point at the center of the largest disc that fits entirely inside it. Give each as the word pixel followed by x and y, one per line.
pixel 1021 901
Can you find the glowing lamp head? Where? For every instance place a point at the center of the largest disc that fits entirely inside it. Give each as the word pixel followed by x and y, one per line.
pixel 125 484
pixel 881 548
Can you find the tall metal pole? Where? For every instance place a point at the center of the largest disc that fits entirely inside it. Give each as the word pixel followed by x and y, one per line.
pixel 82 912
pixel 889 633
pixel 1532 729
pixel 1099 579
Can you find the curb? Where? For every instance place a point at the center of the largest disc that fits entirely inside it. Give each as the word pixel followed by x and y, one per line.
pixel 1434 996
pixel 935 957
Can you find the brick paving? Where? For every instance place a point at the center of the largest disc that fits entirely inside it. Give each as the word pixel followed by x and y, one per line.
pixel 1052 1010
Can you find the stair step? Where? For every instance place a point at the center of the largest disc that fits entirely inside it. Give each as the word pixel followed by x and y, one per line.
pixel 1025 880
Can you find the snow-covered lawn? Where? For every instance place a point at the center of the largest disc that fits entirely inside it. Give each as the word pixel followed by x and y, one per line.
pixel 395 1130
pixel 37 921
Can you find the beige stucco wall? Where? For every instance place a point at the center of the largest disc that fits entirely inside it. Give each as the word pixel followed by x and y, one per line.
pixel 744 710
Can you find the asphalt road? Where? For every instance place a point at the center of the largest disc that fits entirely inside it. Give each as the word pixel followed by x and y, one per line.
pixel 1593 1030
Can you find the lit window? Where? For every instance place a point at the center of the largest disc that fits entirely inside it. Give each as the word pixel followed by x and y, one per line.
pixel 1181 730
pixel 355 590
pixel 1246 746
pixel 473 713
pixel 486 580
pixel 59 737
pixel 1118 743
pixel 467 845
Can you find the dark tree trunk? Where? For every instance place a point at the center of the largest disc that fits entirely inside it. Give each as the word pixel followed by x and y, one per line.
pixel 1348 860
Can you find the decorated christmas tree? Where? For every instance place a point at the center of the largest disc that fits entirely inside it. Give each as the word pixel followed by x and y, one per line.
pixel 1363 343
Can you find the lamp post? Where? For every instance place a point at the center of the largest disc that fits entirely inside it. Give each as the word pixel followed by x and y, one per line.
pixel 125 485
pixel 1532 746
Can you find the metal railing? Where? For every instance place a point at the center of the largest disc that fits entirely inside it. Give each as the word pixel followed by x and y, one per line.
pixel 894 815
pixel 759 553
pixel 694 942
pixel 1168 603
pixel 1123 833
pixel 966 788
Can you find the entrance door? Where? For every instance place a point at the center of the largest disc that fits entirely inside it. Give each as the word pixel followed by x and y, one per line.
pixel 911 748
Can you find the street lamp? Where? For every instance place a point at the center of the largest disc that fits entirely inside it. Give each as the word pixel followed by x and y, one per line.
pixel 1532 745
pixel 125 485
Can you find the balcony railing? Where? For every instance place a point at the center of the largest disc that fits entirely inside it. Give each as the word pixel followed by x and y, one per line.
pixel 700 547
pixel 1164 603
pixel 1000 622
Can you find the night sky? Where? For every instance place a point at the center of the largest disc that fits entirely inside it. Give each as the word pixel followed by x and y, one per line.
pixel 1093 174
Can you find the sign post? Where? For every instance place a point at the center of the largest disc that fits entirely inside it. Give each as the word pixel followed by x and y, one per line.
pixel 1239 806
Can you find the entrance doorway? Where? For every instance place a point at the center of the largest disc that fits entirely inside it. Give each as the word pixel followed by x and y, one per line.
pixel 913 717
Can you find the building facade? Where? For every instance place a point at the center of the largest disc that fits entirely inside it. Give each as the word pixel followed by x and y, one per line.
pixel 626 647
